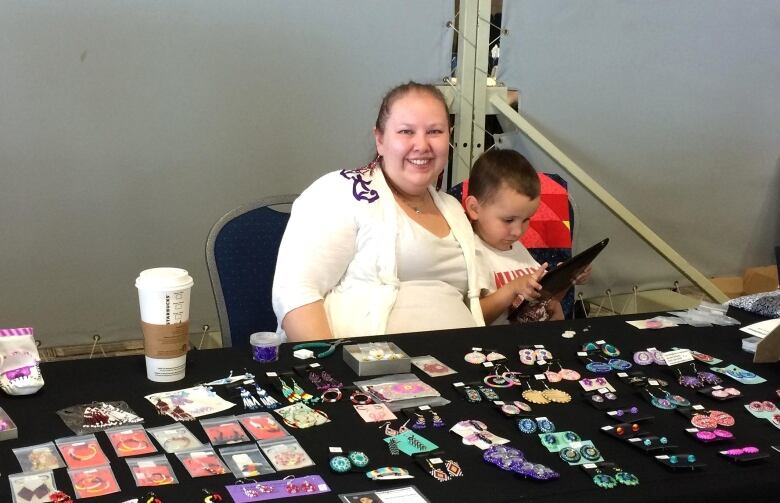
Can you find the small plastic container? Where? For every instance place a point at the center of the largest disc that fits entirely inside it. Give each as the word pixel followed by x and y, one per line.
pixel 265 346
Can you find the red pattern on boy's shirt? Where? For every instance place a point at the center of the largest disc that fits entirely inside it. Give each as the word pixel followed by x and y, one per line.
pixel 504 277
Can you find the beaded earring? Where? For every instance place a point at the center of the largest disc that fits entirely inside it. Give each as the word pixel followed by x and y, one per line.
pixel 438 422
pixel 419 423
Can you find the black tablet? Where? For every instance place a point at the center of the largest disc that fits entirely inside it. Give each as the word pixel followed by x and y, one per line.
pixel 561 278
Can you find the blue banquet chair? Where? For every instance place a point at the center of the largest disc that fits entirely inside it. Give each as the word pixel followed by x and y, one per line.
pixel 241 251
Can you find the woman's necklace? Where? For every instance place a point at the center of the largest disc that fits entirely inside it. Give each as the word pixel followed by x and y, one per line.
pixel 418 208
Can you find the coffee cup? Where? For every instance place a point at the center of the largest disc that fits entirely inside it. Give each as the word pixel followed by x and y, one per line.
pixel 164 299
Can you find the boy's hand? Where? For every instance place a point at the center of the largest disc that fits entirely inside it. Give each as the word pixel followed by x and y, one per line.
pixel 554 310
pixel 527 287
pixel 584 276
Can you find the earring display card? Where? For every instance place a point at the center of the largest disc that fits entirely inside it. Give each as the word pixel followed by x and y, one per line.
pixel 285 454
pixel 36 458
pixel 130 441
pixel 245 461
pixel 407 494
pixel 175 438
pixel 262 426
pixel 91 482
pixel 720 393
pixel 680 462
pixel 710 436
pixel 152 471
pixel 626 414
pixel 411 443
pixel 202 463
pixel 744 455
pixel 224 430
pixel 596 383
pixel 432 366
pixel 651 443
pixel 32 487
pixel 277 489
pixel 740 375
pixel 554 442
pixel 375 412
pixel 81 452
pixel 189 402
pixel 601 401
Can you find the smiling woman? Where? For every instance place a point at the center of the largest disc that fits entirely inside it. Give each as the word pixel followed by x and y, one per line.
pixel 378 249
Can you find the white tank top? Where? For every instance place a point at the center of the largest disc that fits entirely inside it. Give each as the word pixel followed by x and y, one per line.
pixel 434 281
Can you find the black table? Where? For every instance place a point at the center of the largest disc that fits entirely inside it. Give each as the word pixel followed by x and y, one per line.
pixel 123 378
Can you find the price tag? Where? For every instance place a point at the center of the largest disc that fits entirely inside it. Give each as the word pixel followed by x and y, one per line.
pixel 488 364
pixel 271 374
pixel 538 346
pixel 476 349
pixel 622 374
pixel 541 362
pixel 436 461
pixel 589 466
pixel 314 365
pixel 634 439
pixel 424 407
pixel 611 413
pixel 539 377
pixel 603 390
pixel 336 449
pixel 601 342
pixel 582 353
pixel 652 382
pixel 607 428
pixel 498 402
pixel 458 384
pixel 698 407
pixel 662 456
pixel 676 357
pixel 692 430
pixel 718 386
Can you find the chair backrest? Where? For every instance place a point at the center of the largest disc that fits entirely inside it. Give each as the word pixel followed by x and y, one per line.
pixel 241 252
pixel 551 231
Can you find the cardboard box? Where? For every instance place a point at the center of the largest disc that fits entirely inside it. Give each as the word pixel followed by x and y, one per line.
pixel 755 280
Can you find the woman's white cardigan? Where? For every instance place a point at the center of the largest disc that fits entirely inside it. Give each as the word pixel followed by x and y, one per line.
pixel 340 245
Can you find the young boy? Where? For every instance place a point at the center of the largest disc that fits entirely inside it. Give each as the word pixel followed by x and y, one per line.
pixel 504 193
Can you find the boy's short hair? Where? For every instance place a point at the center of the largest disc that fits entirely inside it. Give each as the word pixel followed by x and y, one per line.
pixel 495 168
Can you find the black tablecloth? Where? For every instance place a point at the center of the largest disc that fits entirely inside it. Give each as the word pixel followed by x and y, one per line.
pixel 123 378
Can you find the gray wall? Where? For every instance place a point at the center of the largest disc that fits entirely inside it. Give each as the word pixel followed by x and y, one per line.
pixel 672 106
pixel 128 128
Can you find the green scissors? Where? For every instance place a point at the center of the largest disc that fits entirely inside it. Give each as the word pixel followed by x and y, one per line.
pixel 330 345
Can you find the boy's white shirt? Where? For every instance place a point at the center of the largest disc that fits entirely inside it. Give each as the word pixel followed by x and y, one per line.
pixel 499 267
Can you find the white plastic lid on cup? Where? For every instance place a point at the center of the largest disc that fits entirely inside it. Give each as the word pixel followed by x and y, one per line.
pixel 265 346
pixel 164 278
pixel 265 339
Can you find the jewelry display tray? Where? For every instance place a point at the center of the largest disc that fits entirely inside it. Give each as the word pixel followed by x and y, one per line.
pixel 399 365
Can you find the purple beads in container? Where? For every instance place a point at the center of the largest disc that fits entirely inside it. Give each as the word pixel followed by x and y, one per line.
pixel 265 346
